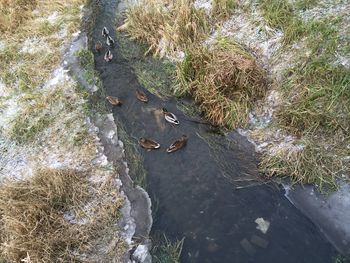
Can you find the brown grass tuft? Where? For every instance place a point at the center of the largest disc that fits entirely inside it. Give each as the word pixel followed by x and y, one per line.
pixel 166 25
pixel 223 8
pixel 225 81
pixel 14 12
pixel 32 217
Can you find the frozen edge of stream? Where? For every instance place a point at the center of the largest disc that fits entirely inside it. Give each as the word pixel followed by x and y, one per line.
pixel 136 219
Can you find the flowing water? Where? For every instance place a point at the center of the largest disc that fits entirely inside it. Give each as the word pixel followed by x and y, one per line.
pixel 197 192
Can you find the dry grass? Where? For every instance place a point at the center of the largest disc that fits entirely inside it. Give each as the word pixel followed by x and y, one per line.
pixel 224 80
pixel 166 26
pixel 223 8
pixel 32 217
pixel 14 12
pixel 27 69
pixel 312 163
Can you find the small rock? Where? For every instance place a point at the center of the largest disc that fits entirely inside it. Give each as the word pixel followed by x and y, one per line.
pixel 248 247
pixel 260 242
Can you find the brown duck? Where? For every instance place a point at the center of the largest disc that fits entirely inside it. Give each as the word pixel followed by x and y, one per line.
pixel 148 143
pixel 178 144
pixel 98 46
pixel 141 96
pixel 114 101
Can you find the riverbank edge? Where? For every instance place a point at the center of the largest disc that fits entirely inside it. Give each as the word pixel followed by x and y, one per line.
pixel 136 214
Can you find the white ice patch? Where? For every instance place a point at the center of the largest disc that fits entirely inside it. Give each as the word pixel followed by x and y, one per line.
pixel 62 33
pixel 2 45
pixel 3 91
pixel 14 161
pixel 326 8
pixel 343 60
pixel 262 40
pixel 263 225
pixel 33 45
pixel 76 34
pixel 141 253
pixel 59 76
pixel 52 18
pixel 204 4
pixel 8 112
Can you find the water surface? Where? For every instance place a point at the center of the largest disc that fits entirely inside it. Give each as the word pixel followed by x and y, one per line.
pixel 194 190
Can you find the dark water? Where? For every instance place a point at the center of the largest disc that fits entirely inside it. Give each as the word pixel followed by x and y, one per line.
pixel 195 188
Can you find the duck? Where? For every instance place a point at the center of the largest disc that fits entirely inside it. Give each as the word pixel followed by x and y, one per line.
pixel 98 46
pixel 148 143
pixel 108 56
pixel 114 101
pixel 110 41
pixel 178 144
pixel 170 117
pixel 141 96
pixel 105 32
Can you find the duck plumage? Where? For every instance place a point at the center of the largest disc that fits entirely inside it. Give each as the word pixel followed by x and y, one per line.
pixel 114 101
pixel 170 117
pixel 110 41
pixel 108 56
pixel 148 143
pixel 105 32
pixel 141 96
pixel 98 46
pixel 178 144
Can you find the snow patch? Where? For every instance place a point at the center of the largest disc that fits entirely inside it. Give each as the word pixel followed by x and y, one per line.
pixel 262 40
pixel 204 4
pixel 52 19
pixel 14 160
pixel 2 45
pixel 33 45
pixel 3 90
pixel 8 112
pixel 60 75
pixel 326 8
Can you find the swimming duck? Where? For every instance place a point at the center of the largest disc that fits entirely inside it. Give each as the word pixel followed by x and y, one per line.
pixel 141 96
pixel 178 144
pixel 105 32
pixel 170 117
pixel 98 46
pixel 148 143
pixel 110 41
pixel 114 101
pixel 108 56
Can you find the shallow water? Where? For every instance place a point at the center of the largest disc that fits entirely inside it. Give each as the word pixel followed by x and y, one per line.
pixel 195 189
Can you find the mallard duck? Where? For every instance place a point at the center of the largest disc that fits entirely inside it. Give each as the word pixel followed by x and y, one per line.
pixel 98 46
pixel 170 117
pixel 110 41
pixel 105 32
pixel 141 96
pixel 114 101
pixel 108 56
pixel 148 144
pixel 178 144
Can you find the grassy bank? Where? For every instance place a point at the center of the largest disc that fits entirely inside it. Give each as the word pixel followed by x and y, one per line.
pixel 227 83
pixel 55 204
pixel 224 79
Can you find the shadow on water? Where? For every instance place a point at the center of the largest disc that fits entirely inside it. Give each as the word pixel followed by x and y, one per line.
pixel 196 189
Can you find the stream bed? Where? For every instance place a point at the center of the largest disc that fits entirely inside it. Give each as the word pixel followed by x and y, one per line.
pixel 209 192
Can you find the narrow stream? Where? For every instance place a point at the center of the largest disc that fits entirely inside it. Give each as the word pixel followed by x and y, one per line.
pixel 194 190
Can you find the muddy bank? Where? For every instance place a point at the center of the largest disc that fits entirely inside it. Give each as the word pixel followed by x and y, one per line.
pixel 194 191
